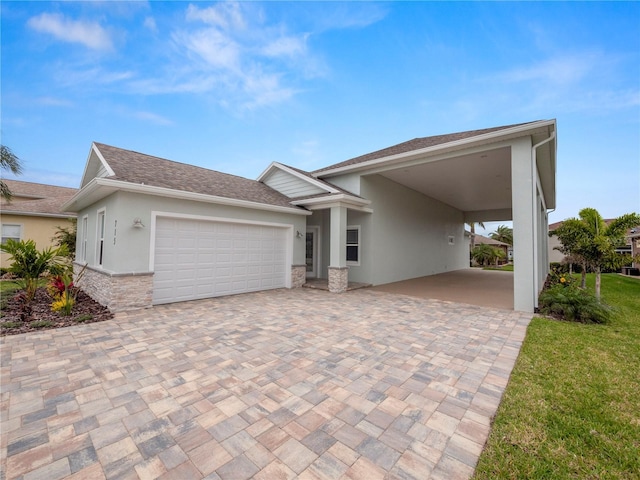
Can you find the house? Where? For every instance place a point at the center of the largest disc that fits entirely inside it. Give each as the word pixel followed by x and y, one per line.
pixel 34 213
pixel 634 238
pixel 153 231
pixel 505 247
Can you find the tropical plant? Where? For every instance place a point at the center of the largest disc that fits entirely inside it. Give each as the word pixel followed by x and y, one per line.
pixel 573 304
pixel 63 292
pixel 594 242
pixel 503 234
pixel 486 254
pixel 29 264
pixel 67 236
pixel 8 161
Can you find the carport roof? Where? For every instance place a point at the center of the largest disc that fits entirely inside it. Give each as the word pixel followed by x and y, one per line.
pixel 417 144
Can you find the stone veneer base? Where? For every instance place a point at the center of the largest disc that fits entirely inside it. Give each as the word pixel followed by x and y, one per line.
pixel 338 279
pixel 298 275
pixel 118 292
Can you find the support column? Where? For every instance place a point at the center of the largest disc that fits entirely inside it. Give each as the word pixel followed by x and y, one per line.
pixel 523 203
pixel 338 271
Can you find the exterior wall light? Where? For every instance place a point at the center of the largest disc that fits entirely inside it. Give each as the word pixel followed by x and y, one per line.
pixel 137 223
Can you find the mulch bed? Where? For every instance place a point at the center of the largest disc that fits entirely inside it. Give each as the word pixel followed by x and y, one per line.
pixel 37 314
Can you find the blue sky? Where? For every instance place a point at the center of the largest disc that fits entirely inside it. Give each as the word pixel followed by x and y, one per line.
pixel 235 86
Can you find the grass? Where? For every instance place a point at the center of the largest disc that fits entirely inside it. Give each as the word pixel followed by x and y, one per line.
pixel 505 268
pixel 572 406
pixel 7 287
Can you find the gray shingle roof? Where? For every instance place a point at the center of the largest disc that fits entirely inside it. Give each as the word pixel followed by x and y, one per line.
pixel 36 198
pixel 134 167
pixel 416 144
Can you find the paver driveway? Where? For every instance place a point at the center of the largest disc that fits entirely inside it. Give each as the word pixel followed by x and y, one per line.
pixel 273 385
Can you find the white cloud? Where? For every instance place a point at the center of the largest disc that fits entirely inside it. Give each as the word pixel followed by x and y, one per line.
pixel 89 34
pixel 286 46
pixel 214 47
pixel 74 75
pixel 153 118
pixel 53 102
pixel 225 15
pixel 150 23
pixel 563 70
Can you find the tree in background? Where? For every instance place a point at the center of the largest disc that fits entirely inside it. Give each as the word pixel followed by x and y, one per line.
pixel 589 238
pixel 472 225
pixel 8 161
pixel 503 234
pixel 486 254
pixel 67 236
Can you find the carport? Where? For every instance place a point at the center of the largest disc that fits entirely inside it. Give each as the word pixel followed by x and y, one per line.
pixel 486 288
pixel 500 174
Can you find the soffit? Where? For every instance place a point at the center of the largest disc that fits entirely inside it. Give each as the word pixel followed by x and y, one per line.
pixel 474 182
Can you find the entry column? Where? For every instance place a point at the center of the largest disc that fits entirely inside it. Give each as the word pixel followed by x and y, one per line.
pixel 338 270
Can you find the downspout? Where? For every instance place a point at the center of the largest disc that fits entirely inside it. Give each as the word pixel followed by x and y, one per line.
pixel 534 178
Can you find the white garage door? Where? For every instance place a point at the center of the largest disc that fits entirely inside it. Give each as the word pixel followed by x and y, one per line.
pixel 201 259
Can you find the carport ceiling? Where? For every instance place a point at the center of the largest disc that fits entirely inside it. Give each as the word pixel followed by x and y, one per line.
pixel 474 182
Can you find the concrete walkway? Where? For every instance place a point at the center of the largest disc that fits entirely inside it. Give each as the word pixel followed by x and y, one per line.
pixel 487 288
pixel 281 384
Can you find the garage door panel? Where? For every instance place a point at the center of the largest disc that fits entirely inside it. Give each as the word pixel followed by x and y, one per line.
pixel 199 259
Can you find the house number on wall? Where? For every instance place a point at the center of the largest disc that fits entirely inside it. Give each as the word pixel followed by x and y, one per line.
pixel 115 230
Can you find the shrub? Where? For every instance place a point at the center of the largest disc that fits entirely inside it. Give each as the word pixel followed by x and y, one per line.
pixel 42 324
pixel 63 304
pixel 573 304
pixel 9 325
pixel 85 317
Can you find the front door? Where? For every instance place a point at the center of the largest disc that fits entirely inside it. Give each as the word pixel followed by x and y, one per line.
pixel 312 252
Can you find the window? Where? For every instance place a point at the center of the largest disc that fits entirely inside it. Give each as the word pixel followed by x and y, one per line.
pixel 353 245
pixel 11 231
pixel 83 239
pixel 100 243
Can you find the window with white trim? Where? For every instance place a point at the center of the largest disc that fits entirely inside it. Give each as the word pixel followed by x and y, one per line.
pixel 11 231
pixel 100 237
pixel 83 238
pixel 353 245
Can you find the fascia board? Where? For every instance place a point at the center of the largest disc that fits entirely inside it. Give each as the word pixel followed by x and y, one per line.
pixel 491 137
pixel 333 200
pixel 104 162
pixel 108 186
pixel 37 214
pixel 267 171
pixel 290 171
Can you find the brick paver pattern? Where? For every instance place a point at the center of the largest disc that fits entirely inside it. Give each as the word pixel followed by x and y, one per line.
pixel 272 385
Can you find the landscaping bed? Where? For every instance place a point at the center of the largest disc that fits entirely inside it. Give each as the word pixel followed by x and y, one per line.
pixel 19 316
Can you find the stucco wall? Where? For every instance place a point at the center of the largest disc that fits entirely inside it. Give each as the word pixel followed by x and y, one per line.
pixel 39 229
pixel 127 249
pixel 408 236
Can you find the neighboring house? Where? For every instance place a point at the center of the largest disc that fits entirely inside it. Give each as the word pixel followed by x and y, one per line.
pixel 154 231
pixel 553 243
pixel 34 213
pixel 505 247
pixel 635 246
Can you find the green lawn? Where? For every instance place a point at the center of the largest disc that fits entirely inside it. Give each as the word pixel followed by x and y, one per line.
pixel 572 407
pixel 7 287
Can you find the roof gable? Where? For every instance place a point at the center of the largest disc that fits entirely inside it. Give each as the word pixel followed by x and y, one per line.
pixel 293 182
pixel 96 166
